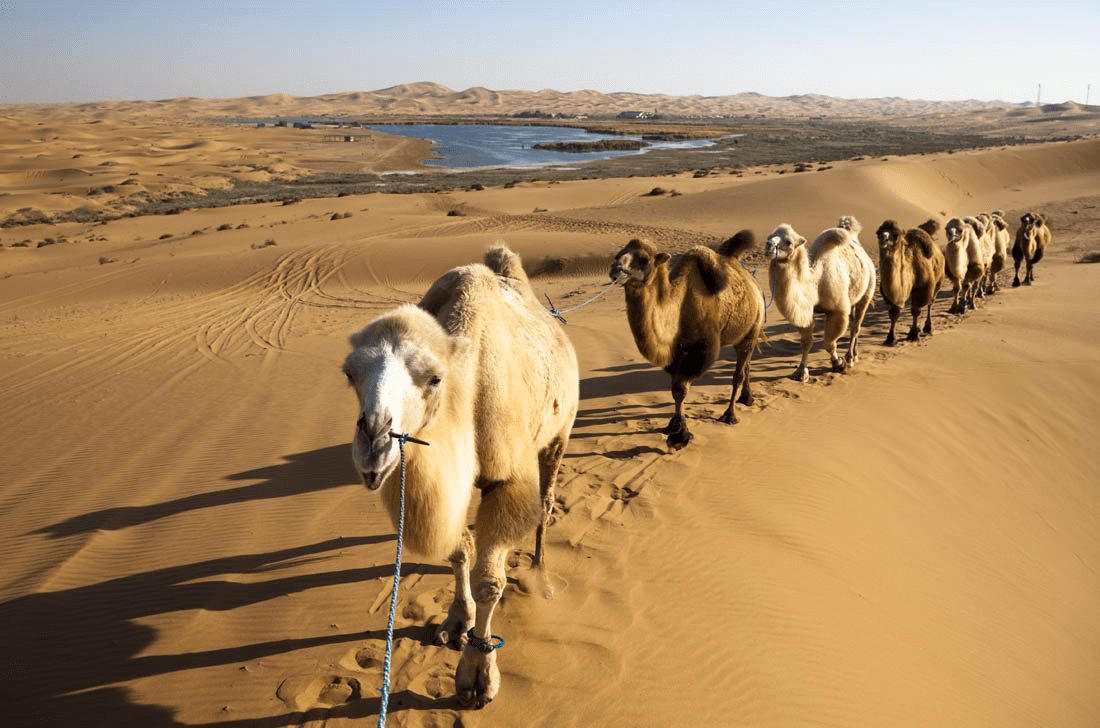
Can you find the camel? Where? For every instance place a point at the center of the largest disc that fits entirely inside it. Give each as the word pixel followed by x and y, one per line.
pixel 1000 249
pixel 834 276
pixel 683 310
pixel 965 263
pixel 911 268
pixel 1032 238
pixel 983 227
pixel 489 381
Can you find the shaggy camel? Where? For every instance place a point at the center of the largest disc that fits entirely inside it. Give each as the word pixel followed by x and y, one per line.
pixel 911 267
pixel 1032 238
pixel 965 264
pixel 982 225
pixel 480 372
pixel 835 276
pixel 683 310
pixel 1000 248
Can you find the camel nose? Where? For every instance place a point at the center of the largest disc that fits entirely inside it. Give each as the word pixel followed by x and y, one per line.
pixel 375 429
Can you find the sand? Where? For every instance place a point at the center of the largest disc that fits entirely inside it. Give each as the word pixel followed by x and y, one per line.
pixel 916 543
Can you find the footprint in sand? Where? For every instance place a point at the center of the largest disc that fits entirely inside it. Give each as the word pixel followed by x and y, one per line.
pixel 305 693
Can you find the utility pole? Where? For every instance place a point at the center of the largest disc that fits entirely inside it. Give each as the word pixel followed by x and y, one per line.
pixel 1039 95
pixel 1087 90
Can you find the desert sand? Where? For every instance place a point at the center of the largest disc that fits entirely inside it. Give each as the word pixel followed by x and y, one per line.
pixel 185 542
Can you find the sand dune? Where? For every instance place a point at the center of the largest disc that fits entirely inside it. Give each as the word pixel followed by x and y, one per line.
pixel 914 544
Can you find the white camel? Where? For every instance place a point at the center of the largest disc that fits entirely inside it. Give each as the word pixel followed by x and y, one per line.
pixel 483 374
pixel 834 276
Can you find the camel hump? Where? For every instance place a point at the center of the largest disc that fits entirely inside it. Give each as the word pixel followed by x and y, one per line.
pixel 922 240
pixel 999 222
pixel 712 272
pixel 742 242
pixel 505 263
pixel 930 226
pixel 849 223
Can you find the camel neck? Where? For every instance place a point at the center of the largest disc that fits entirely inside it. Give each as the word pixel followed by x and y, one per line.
pixel 653 311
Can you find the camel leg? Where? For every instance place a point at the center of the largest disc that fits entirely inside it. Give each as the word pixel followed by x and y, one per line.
pixel 858 312
pixel 914 330
pixel 894 312
pixel 802 372
pixel 1016 279
pixel 460 616
pixel 740 376
pixel 928 319
pixel 836 322
pixel 508 511
pixel 677 430
pixel 549 461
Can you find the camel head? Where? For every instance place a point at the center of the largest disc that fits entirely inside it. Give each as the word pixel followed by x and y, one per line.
pixel 638 261
pixel 398 367
pixel 889 234
pixel 954 230
pixel 783 242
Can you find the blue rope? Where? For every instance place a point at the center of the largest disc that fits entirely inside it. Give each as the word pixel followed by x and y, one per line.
pixel 385 689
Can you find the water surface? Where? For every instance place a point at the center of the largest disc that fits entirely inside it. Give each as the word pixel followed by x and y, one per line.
pixel 487 145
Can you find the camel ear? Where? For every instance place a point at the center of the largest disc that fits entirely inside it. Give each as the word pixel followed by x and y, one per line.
pixel 661 258
pixel 357 339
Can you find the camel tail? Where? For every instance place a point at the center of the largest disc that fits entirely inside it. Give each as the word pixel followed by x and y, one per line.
pixel 506 263
pixel 741 243
pixel 930 226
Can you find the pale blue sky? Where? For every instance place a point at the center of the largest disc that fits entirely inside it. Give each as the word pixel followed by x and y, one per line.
pixel 91 50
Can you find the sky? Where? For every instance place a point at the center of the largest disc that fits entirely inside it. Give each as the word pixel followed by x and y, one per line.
pixel 55 51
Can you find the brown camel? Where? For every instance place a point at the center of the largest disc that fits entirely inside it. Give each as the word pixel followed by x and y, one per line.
pixel 911 267
pixel 488 381
pixel 683 310
pixel 1032 238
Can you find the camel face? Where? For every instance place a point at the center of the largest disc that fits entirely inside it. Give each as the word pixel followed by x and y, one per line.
pixel 783 242
pixel 889 234
pixel 954 230
pixel 637 261
pixel 398 386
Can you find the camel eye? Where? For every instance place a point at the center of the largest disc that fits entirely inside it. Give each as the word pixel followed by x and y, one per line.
pixel 349 378
pixel 435 381
pixel 642 259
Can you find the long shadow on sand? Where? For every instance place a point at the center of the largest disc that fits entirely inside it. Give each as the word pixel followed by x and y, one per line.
pixel 304 472
pixel 66 650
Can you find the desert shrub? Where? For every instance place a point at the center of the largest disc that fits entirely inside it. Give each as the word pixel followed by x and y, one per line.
pixel 165 236
pixel 105 260
pixel 225 226
pixel 265 244
pixel 655 192
pixel 456 213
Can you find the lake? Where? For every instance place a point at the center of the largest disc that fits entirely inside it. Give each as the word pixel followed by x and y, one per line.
pixel 487 145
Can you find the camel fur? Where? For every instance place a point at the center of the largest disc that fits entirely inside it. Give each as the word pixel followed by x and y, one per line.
pixel 480 372
pixel 1032 238
pixel 911 267
pixel 834 275
pixel 683 310
pixel 965 263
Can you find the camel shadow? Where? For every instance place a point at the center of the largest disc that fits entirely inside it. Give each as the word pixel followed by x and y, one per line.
pixel 67 650
pixel 306 472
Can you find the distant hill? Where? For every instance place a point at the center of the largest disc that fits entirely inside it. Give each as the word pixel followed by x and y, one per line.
pixel 431 99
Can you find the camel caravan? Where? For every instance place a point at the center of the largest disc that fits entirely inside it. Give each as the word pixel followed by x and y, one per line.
pixel 475 389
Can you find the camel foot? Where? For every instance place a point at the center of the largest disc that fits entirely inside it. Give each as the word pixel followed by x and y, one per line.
pixel 679 439
pixel 889 340
pixel 477 679
pixel 1015 282
pixel 1027 281
pixel 673 425
pixel 914 334
pixel 801 375
pixel 840 367
pixel 927 328
pixel 728 417
pixel 746 398
pixel 452 631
